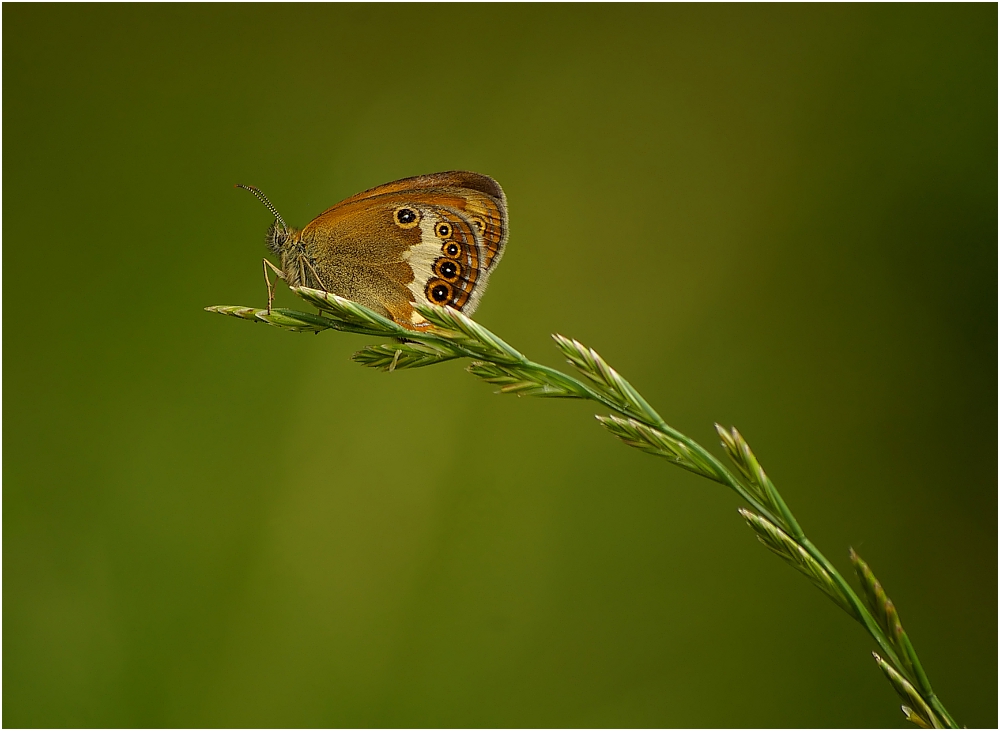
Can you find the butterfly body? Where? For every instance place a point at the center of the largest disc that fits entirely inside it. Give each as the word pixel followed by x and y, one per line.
pixel 430 239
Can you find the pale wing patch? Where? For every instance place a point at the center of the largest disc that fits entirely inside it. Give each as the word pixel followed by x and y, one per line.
pixel 422 256
pixel 459 234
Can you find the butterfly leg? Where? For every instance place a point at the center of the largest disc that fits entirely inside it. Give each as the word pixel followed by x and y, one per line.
pixel 267 279
pixel 320 281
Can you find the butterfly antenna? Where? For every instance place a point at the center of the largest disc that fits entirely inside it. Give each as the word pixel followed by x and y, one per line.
pixel 263 199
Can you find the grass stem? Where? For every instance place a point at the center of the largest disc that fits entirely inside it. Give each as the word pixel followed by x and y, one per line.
pixel 452 335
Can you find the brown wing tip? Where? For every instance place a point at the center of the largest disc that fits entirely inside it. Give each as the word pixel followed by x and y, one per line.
pixel 474 181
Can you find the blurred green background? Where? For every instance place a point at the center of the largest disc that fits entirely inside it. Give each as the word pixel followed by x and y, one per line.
pixel 779 217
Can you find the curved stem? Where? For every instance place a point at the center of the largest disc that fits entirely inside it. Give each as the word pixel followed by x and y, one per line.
pixel 458 336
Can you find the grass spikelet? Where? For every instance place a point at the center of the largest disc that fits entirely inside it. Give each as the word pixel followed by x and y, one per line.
pixel 783 545
pixel 917 711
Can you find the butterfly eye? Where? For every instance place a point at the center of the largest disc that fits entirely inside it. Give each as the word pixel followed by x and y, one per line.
pixel 438 292
pixel 480 223
pixel 406 217
pixel 443 230
pixel 452 250
pixel 447 269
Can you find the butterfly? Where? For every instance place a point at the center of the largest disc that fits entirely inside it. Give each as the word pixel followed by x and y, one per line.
pixel 428 239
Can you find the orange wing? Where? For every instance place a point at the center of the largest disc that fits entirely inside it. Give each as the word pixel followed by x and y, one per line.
pixel 479 197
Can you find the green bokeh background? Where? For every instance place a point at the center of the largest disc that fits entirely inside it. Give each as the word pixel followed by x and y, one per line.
pixel 779 217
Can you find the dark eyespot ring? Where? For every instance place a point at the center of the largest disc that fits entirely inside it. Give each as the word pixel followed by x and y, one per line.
pixel 451 249
pixel 447 269
pixel 443 230
pixel 438 292
pixel 406 217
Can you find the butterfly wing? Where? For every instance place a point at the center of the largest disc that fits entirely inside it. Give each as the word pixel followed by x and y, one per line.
pixel 426 239
pixel 480 198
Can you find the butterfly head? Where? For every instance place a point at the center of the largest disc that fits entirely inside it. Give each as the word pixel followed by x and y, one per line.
pixel 279 236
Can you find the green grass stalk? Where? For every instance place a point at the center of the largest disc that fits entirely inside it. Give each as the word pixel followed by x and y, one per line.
pixel 452 335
